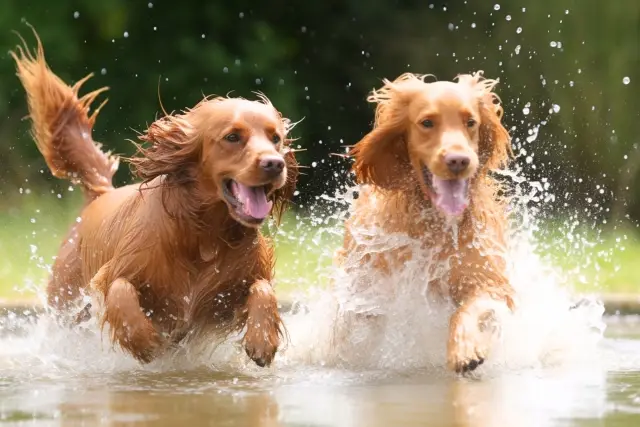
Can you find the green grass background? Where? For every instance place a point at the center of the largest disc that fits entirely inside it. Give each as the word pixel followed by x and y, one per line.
pixel 32 229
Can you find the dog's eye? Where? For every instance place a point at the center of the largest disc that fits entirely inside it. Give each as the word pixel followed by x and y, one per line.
pixel 276 139
pixel 427 123
pixel 232 137
pixel 471 123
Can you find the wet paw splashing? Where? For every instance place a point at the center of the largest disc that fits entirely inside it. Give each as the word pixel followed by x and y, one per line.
pixel 389 326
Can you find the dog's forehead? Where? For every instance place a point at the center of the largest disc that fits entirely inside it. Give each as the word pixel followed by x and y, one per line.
pixel 446 95
pixel 256 113
pixel 240 111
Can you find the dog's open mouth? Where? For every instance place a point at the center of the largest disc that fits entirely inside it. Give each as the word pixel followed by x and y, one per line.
pixel 450 196
pixel 250 204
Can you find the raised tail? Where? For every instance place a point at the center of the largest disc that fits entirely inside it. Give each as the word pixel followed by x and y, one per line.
pixel 61 124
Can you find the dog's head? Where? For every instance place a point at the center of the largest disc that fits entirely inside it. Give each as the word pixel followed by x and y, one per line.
pixel 442 133
pixel 235 150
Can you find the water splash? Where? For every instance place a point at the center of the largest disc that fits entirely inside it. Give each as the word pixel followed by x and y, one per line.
pixel 400 331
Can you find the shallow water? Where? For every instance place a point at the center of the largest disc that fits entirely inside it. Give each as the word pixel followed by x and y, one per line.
pixel 552 365
pixel 40 387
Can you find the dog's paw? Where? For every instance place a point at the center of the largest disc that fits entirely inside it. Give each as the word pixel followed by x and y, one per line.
pixel 261 346
pixel 151 349
pixel 143 342
pixel 466 349
pixel 471 334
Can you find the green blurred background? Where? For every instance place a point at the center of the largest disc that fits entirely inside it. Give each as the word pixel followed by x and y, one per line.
pixel 569 73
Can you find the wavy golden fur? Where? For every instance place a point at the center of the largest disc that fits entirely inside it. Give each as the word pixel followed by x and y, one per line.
pixel 179 254
pixel 427 160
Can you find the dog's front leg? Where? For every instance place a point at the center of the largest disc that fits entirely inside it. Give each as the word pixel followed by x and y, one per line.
pixel 473 328
pixel 264 326
pixel 130 328
pixel 482 296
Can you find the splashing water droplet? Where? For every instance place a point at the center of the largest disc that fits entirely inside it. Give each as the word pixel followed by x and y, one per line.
pixel 126 34
pixel 496 7
pixel 508 17
pixel 518 30
pixel 76 14
pixel 626 80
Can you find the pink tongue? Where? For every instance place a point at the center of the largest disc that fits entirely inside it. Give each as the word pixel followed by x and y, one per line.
pixel 253 199
pixel 451 195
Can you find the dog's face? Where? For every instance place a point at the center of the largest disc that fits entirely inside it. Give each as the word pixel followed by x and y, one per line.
pixel 225 149
pixel 442 141
pixel 243 155
pixel 443 134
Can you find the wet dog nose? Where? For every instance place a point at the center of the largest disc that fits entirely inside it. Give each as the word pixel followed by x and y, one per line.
pixel 272 165
pixel 457 162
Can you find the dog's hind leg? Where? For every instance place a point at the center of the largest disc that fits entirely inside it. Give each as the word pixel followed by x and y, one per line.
pixel 65 284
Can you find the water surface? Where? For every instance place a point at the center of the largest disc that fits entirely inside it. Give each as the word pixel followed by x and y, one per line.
pixel 37 391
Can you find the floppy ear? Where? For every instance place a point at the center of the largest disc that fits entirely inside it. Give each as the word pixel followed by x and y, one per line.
pixel 495 142
pixel 382 157
pixel 283 196
pixel 174 151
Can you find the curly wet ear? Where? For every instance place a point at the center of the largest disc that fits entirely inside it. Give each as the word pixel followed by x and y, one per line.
pixel 283 196
pixel 381 157
pixel 172 152
pixel 495 141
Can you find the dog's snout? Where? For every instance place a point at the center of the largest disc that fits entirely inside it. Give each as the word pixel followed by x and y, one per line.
pixel 457 163
pixel 272 165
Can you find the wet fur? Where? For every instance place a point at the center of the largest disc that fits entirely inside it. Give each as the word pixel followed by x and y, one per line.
pixel 164 256
pixel 391 201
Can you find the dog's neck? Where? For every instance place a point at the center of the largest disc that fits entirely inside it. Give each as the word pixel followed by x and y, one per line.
pixel 203 221
pixel 221 230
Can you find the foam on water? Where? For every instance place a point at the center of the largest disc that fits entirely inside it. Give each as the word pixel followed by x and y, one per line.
pixel 406 334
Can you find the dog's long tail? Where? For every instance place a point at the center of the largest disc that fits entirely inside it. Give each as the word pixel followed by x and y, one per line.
pixel 61 124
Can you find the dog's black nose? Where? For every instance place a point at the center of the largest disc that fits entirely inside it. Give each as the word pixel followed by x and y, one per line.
pixel 457 162
pixel 272 165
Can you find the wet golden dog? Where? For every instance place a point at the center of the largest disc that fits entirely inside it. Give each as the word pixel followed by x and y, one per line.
pixel 426 163
pixel 180 253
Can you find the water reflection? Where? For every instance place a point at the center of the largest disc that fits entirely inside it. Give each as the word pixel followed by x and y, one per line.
pixel 578 395
pixel 527 399
pixel 537 399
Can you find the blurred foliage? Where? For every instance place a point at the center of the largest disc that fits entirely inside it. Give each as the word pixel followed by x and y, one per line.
pixel 561 65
